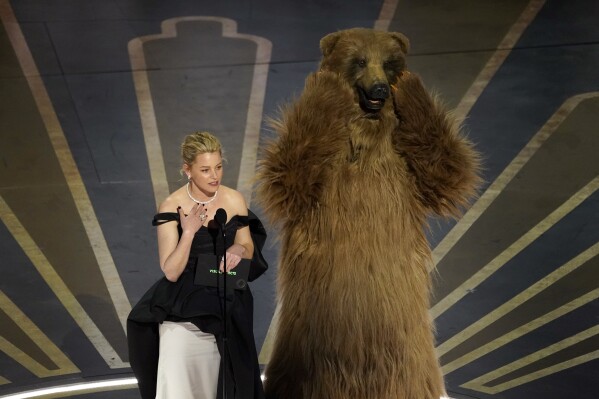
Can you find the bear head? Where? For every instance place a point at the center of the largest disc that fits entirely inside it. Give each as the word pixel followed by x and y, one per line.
pixel 369 60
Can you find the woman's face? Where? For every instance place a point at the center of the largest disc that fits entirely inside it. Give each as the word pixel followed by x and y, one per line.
pixel 206 172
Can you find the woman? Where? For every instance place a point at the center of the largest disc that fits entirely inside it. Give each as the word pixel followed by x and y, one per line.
pixel 175 332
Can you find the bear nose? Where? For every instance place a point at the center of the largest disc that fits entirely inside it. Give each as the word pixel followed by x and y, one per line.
pixel 379 91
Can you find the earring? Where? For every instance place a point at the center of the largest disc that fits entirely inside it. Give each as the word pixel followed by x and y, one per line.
pixel 188 177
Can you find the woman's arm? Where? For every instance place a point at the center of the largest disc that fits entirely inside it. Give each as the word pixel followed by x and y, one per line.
pixel 174 252
pixel 243 246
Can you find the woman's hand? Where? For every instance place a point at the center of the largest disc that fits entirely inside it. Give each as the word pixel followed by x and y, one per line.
pixel 194 221
pixel 234 254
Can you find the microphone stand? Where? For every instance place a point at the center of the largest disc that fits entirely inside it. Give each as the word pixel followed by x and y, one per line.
pixel 224 310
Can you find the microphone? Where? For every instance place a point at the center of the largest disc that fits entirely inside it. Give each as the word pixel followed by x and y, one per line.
pixel 220 217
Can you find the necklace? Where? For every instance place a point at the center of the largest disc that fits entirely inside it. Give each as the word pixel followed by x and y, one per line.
pixel 200 202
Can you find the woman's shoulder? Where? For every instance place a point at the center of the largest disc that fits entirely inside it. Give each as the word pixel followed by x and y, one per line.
pixel 173 201
pixel 234 200
pixel 167 211
pixel 229 192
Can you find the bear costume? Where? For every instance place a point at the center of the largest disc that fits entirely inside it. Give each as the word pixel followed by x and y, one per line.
pixel 361 159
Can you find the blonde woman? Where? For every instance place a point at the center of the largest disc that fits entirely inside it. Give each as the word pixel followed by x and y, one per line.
pixel 175 331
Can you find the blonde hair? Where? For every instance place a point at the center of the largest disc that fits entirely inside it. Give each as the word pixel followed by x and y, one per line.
pixel 199 143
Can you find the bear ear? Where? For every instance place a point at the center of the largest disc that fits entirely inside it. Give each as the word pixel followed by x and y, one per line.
pixel 328 42
pixel 403 41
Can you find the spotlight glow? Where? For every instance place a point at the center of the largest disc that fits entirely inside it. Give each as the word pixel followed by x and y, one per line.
pixel 80 387
pixel 89 386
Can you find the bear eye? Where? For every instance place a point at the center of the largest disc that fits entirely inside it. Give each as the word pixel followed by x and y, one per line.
pixel 390 64
pixel 394 65
pixel 361 62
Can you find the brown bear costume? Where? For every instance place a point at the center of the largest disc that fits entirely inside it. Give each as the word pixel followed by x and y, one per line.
pixel 361 159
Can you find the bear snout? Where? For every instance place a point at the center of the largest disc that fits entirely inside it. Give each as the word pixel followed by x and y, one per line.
pixel 373 98
pixel 379 91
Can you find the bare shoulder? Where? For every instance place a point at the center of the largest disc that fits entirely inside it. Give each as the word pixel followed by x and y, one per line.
pixel 234 200
pixel 173 201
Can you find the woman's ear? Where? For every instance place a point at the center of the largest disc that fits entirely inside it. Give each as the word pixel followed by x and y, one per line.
pixel 185 169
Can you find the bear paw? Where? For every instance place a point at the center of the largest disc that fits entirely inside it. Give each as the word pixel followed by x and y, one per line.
pixel 330 94
pixel 410 98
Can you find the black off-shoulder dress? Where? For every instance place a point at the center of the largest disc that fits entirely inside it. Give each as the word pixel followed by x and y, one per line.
pixel 201 305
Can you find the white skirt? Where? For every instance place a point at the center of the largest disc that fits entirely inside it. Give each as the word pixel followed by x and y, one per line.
pixel 188 363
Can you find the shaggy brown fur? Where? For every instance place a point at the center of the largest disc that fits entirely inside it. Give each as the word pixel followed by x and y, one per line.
pixel 351 187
